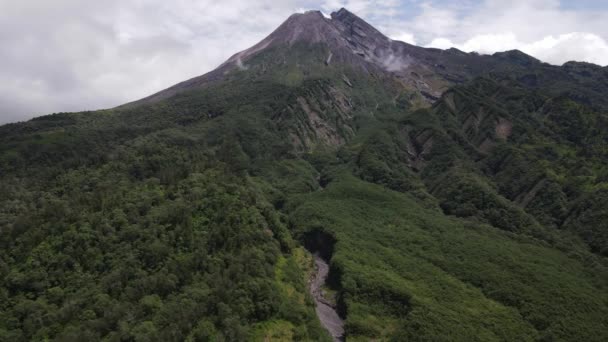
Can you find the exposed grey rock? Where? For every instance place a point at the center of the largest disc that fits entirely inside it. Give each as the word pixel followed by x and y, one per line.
pixel 328 60
pixel 347 81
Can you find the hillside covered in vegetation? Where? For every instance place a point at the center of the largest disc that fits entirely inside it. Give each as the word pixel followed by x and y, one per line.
pixel 466 201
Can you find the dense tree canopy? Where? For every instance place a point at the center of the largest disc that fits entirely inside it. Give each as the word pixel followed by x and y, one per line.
pixel 481 217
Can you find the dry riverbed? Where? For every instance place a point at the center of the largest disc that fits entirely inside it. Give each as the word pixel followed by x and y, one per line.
pixel 324 307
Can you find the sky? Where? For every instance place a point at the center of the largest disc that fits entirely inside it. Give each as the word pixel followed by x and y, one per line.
pixel 74 55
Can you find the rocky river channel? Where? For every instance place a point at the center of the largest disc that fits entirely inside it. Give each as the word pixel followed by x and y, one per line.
pixel 325 308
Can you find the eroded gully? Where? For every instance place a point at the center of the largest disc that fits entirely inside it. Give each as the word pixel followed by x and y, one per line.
pixel 325 309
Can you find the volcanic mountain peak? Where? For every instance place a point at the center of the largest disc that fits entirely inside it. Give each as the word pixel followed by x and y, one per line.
pixel 344 34
pixel 310 27
pixel 348 41
pixel 314 27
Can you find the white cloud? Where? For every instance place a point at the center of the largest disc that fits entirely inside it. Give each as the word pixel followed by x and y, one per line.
pixel 576 46
pixel 540 28
pixel 435 20
pixel 486 43
pixel 404 37
pixel 372 10
pixel 73 55
pixel 70 55
pixel 361 7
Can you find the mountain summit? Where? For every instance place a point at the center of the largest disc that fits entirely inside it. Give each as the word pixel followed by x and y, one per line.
pixel 346 40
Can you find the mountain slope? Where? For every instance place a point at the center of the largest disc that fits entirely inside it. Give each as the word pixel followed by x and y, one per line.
pixel 457 196
pixel 347 39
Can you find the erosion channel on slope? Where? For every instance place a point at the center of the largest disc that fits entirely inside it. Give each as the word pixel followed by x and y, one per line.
pixel 321 245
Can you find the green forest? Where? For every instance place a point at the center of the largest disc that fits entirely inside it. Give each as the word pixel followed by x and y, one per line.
pixel 482 217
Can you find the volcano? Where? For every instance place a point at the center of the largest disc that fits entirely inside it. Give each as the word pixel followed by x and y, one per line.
pixel 347 40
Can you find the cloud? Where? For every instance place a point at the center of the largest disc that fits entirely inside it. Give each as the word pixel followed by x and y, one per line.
pixel 71 55
pixel 541 28
pixel 403 37
pixel 576 46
